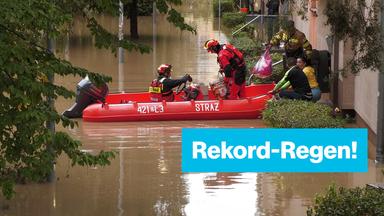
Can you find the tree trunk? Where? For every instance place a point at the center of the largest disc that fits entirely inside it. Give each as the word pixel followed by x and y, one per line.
pixel 133 19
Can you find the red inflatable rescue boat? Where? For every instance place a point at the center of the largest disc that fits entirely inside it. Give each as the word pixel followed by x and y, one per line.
pixel 137 107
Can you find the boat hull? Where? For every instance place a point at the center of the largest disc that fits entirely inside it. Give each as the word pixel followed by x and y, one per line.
pixel 128 110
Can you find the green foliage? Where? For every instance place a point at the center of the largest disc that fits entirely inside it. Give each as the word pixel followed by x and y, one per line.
pixel 173 16
pixel 226 6
pixel 352 202
pixel 245 31
pixel 246 45
pixel 300 114
pixel 145 7
pixel 177 20
pixel 28 148
pixel 252 51
pixel 302 8
pixel 278 70
pixel 233 19
pixel 104 39
pixel 359 22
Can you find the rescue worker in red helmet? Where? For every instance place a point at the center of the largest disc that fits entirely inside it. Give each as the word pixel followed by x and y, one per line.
pixel 232 64
pixel 161 87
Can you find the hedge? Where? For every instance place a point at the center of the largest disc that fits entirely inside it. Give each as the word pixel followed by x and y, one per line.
pixel 365 201
pixel 247 46
pixel 232 19
pixel 300 114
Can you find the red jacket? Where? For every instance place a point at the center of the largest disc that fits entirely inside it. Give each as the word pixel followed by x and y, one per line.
pixel 229 55
pixel 231 61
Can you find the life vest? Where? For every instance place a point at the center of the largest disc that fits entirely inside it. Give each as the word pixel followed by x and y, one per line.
pixel 237 63
pixel 238 60
pixel 156 91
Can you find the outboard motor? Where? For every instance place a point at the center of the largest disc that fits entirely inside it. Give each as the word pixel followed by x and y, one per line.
pixel 87 93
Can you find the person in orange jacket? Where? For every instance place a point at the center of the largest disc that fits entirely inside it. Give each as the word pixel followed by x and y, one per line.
pixel 232 65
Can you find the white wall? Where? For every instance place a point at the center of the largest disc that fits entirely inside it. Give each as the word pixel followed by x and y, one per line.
pixel 366 97
pixel 322 30
pixel 301 25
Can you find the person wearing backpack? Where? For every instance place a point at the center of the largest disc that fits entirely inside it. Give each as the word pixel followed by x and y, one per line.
pixel 232 65
pixel 161 87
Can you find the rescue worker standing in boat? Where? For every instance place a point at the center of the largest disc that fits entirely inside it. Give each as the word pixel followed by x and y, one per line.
pixel 161 87
pixel 232 64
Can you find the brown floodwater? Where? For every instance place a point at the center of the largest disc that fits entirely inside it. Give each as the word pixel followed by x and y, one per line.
pixel 145 178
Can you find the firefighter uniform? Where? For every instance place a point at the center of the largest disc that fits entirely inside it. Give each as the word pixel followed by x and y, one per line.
pixel 233 66
pixel 295 45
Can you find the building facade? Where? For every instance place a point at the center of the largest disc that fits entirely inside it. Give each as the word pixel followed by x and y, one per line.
pixel 350 92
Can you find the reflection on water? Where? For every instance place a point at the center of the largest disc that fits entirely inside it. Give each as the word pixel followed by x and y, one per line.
pixel 145 178
pixel 222 194
pixel 181 49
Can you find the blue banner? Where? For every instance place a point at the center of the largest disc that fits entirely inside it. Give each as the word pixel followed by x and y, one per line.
pixel 274 150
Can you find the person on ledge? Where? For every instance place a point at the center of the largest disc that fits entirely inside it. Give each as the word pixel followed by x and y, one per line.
pixel 296 78
pixel 309 71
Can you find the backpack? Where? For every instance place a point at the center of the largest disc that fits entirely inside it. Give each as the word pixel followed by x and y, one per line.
pixel 238 63
pixel 234 50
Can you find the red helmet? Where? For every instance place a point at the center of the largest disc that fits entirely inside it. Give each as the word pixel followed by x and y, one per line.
pixel 164 68
pixel 210 44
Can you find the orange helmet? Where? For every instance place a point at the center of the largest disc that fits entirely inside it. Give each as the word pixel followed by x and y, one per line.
pixel 164 68
pixel 211 44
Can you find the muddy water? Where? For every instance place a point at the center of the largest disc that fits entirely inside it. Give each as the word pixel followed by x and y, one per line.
pixel 145 177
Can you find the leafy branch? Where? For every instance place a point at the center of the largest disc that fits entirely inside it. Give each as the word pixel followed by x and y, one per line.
pixel 27 147
pixel 359 22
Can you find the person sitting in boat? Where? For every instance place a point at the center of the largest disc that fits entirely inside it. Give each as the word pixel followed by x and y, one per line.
pixel 232 64
pixel 161 87
pixel 296 78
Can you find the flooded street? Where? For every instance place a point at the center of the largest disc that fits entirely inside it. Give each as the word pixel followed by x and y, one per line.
pixel 145 177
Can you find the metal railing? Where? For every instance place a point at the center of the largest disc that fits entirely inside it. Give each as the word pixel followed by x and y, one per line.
pixel 238 30
pixel 253 20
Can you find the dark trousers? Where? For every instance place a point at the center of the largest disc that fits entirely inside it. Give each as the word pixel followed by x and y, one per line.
pixel 272 26
pixel 294 95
